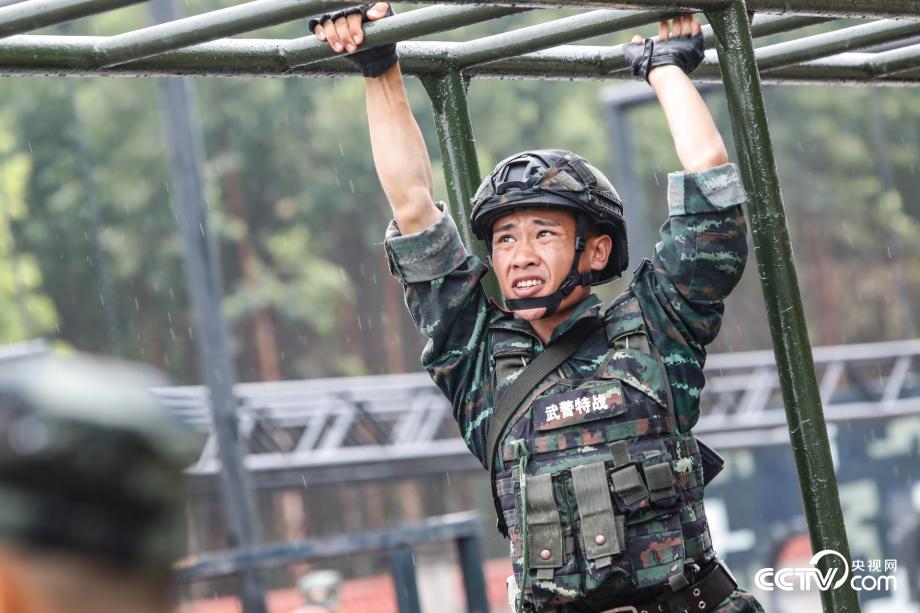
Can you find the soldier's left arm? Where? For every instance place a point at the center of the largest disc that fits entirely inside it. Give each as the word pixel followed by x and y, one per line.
pixel 696 138
pixel 703 247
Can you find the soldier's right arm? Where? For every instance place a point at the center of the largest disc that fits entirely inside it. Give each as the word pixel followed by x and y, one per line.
pixel 441 279
pixel 399 151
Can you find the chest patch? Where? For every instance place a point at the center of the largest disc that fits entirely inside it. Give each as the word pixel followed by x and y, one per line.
pixel 578 406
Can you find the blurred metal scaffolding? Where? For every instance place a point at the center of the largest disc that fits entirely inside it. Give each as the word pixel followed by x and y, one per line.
pixel 847 54
pixel 390 426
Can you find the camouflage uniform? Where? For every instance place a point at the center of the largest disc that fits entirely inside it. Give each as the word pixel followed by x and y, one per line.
pixel 672 309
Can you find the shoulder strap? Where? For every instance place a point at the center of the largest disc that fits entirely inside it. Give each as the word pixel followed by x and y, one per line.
pixel 545 363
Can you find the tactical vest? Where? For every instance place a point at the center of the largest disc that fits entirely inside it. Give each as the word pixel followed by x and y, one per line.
pixel 608 488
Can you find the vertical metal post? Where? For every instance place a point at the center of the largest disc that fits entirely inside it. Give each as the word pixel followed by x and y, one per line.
pixel 402 567
pixel 474 580
pixel 458 157
pixel 186 154
pixel 796 368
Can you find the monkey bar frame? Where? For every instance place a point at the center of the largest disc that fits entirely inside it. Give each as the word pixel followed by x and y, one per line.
pixel 197 46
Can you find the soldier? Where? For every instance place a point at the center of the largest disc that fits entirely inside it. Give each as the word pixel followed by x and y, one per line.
pixel 581 414
pixel 91 492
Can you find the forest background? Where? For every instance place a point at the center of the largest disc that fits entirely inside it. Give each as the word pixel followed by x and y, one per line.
pixel 90 255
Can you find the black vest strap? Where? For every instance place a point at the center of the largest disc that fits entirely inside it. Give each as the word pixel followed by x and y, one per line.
pixel 505 407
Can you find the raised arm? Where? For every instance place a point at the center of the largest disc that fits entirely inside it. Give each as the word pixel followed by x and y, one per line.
pixel 696 138
pixel 703 246
pixel 399 151
pixel 400 155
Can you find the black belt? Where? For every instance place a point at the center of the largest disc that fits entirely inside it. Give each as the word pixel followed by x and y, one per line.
pixel 704 595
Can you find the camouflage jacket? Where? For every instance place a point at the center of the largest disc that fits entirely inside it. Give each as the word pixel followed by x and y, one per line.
pixel 680 294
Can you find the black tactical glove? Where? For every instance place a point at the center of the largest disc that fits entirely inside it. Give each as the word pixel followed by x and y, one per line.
pixel 374 61
pixel 687 52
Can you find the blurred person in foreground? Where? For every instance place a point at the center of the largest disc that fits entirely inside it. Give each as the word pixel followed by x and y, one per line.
pixel 581 415
pixel 91 488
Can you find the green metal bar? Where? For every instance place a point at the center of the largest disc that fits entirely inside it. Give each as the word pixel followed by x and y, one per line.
pixel 843 69
pixel 767 25
pixel 896 60
pixel 400 27
pixel 75 56
pixel 208 26
pixel 26 16
pixel 860 9
pixel 458 157
pixel 785 314
pixel 550 34
pixel 832 43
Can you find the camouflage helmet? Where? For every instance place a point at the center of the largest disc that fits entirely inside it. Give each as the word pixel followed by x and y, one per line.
pixel 90 461
pixel 558 179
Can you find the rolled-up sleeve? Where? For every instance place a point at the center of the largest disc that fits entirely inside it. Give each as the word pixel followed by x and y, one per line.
pixel 425 255
pixel 703 248
pixel 704 191
pixel 442 285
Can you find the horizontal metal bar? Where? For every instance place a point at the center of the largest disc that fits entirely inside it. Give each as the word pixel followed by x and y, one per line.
pixel 832 43
pixel 550 34
pixel 222 563
pixel 26 16
pixel 897 60
pixel 25 349
pixel 208 26
pixel 74 56
pixel 828 8
pixel 853 353
pixel 403 26
pixel 554 33
pixel 767 25
pixel 285 475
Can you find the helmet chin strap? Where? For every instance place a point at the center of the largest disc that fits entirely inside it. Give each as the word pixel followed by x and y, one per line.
pixel 568 285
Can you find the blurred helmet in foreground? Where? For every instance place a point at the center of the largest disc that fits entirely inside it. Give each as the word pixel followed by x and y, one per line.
pixel 90 461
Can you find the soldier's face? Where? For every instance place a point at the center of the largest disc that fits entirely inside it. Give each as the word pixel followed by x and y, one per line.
pixel 532 254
